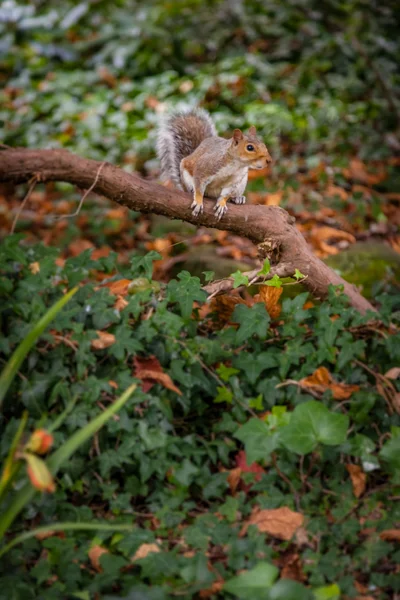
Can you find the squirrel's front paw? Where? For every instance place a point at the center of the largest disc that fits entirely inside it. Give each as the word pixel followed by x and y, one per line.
pixel 197 208
pixel 239 200
pixel 220 210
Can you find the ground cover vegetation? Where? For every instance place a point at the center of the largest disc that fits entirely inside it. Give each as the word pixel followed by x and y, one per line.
pixel 156 444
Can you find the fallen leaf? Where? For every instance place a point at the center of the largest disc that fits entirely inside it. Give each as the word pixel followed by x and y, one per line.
pixel 291 567
pixel 274 199
pixel 78 246
pixel 335 190
pixel 95 553
pixel 393 373
pixel 358 479
pixel 105 340
pixel 224 305
pixel 144 550
pixel 241 462
pixel 234 479
pixel 211 591
pixel 118 288
pixel 281 523
pixel 270 296
pixel 113 384
pixel 390 535
pixel 150 371
pixel 357 171
pixel 321 380
pixel 120 303
pixel 34 268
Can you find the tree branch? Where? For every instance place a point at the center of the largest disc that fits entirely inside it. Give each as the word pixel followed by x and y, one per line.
pixel 271 227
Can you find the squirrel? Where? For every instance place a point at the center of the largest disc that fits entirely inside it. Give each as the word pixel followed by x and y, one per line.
pixel 200 162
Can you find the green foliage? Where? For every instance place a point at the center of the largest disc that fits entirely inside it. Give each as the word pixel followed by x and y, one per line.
pixel 168 455
pixel 254 582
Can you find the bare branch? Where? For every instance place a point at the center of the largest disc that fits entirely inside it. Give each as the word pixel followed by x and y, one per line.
pixel 270 227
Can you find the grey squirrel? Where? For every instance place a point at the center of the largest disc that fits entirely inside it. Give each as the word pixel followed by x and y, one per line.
pixel 200 162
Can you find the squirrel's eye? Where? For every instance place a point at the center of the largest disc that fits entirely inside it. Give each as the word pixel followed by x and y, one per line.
pixel 250 147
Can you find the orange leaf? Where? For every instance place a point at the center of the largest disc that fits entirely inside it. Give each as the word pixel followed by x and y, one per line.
pixel 234 479
pixel 270 296
pixel 212 590
pixel 39 474
pixel 150 371
pixel 281 523
pixel 391 535
pixel 105 340
pixel 95 553
pixel 144 550
pixel 274 199
pixel 358 479
pixel 321 380
pixel 120 303
pixel 118 288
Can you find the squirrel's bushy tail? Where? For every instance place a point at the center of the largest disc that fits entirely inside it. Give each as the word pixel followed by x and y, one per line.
pixel 178 136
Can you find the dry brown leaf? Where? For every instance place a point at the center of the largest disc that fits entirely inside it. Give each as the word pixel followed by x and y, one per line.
pixel 292 567
pixel 358 479
pixel 274 199
pixel 34 268
pixel 43 535
pixel 335 190
pixel 118 288
pixel 95 553
pixel 120 303
pixel 234 479
pixel 78 246
pixel 281 523
pixel 270 296
pixel 105 340
pixel 321 380
pixel 358 171
pixel 224 305
pixel 150 371
pixel 393 373
pixel 144 550
pixel 390 535
pixel 212 590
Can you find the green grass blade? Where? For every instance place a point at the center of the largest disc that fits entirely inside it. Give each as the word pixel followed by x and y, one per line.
pixel 20 353
pixel 62 454
pixel 66 527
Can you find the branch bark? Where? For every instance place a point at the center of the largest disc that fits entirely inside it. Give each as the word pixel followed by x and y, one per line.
pixel 272 228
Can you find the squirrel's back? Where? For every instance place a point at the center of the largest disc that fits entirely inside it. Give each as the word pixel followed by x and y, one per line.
pixel 178 136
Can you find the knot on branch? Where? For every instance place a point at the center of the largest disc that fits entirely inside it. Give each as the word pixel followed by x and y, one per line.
pixel 269 249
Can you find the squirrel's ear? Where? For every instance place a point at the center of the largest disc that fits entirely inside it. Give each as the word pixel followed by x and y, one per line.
pixel 237 135
pixel 252 130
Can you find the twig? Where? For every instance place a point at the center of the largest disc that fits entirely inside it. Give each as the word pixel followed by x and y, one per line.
pixel 33 182
pixel 85 195
pixel 304 388
pixel 286 480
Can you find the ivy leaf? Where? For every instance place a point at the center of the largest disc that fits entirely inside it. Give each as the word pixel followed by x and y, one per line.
pixel 239 279
pixel 208 275
pixel 297 275
pixel 252 320
pixel 253 583
pixel 312 423
pixel 276 281
pixel 258 440
pixel 265 268
pixel 185 292
pixel 224 395
pixel 144 264
pixel 226 373
pixel 327 592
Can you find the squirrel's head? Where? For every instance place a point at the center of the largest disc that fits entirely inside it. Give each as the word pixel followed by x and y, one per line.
pixel 250 150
